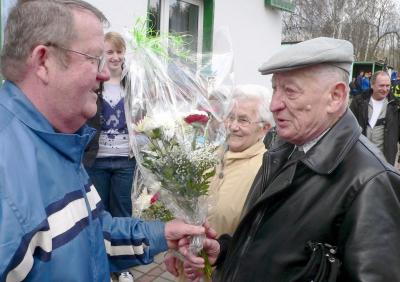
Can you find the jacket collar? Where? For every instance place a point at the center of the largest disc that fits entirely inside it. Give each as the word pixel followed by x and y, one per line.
pixel 69 145
pixel 323 158
pixel 330 150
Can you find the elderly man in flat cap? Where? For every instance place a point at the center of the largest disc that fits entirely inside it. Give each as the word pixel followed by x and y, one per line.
pixel 325 204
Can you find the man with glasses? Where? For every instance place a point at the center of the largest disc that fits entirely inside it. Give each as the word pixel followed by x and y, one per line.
pixel 100 61
pixel 52 223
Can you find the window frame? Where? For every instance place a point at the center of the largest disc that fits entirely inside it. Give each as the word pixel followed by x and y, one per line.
pixel 164 19
pixel 284 5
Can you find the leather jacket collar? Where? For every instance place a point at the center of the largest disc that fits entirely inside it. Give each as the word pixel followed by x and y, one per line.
pixel 326 155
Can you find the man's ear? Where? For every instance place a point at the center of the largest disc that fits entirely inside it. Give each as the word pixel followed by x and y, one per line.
pixel 39 60
pixel 338 96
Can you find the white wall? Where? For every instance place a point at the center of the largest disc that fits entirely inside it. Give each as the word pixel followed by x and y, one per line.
pixel 121 13
pixel 255 32
pixel 254 29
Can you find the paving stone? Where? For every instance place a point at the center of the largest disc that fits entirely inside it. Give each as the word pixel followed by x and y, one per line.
pixel 168 276
pixel 161 279
pixel 159 259
pixel 157 271
pixel 136 273
pixel 145 268
pixel 145 278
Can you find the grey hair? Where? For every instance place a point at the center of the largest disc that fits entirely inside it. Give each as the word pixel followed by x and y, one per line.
pixel 256 92
pixel 329 69
pixel 330 73
pixel 34 22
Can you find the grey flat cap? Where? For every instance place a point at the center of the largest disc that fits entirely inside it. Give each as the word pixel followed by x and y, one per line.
pixel 319 50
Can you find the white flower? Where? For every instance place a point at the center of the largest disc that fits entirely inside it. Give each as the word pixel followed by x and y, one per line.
pixel 166 121
pixel 162 120
pixel 143 201
pixel 146 125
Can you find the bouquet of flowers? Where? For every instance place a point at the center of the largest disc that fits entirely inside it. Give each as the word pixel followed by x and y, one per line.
pixel 148 207
pixel 169 104
pixel 181 159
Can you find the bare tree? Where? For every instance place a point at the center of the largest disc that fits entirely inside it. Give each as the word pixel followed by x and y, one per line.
pixel 373 26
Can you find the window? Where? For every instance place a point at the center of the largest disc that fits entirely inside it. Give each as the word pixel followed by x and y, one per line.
pixel 285 5
pixel 184 17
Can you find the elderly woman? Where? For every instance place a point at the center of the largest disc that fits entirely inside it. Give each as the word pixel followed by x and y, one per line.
pixel 248 122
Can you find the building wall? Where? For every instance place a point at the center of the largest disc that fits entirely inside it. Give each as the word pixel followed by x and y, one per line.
pixel 121 13
pixel 255 32
pixel 253 29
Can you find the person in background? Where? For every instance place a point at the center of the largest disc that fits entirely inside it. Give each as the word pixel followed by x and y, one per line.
pixel 53 226
pixel 353 88
pixel 395 88
pixel 365 82
pixel 324 200
pixel 107 159
pixel 393 76
pixel 358 81
pixel 378 114
pixel 247 123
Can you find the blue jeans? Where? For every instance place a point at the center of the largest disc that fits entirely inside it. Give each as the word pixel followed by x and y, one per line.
pixel 113 177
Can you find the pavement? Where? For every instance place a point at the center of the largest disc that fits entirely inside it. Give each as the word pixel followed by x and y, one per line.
pixel 154 272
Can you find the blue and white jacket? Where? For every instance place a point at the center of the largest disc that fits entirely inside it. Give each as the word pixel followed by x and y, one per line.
pixel 52 224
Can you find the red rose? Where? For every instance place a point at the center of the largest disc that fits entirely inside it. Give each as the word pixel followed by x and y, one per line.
pixel 196 118
pixel 155 198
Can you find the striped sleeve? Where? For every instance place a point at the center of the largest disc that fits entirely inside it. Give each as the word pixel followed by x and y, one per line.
pixel 63 221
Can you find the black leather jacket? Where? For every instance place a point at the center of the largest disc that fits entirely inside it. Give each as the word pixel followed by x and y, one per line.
pixel 341 193
pixel 391 138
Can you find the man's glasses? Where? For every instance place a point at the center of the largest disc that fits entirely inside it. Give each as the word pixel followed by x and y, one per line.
pixel 241 121
pixel 101 61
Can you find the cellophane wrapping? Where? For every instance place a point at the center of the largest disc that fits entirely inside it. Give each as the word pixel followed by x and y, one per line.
pixel 175 105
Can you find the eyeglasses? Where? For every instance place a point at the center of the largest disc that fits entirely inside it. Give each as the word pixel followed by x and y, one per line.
pixel 241 121
pixel 101 61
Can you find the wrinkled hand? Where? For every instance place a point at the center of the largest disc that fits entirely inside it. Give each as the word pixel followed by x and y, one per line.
pixel 210 246
pixel 177 229
pixel 192 274
pixel 172 264
pixel 210 233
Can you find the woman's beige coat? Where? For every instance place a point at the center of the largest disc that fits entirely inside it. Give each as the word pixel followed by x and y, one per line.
pixel 231 185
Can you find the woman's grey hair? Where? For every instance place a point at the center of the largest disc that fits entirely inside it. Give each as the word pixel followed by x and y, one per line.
pixel 260 93
pixel 34 22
